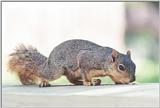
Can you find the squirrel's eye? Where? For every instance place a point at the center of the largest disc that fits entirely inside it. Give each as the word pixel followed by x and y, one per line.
pixel 121 67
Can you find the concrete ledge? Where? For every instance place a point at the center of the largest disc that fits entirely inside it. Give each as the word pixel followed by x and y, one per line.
pixel 143 95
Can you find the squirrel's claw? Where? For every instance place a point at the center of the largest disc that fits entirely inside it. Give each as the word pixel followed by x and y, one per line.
pixel 44 84
pixel 96 82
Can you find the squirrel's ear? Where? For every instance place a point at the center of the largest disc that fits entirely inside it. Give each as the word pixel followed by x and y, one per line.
pixel 113 56
pixel 129 53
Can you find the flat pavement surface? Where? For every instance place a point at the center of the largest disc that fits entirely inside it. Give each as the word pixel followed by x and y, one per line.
pixel 139 95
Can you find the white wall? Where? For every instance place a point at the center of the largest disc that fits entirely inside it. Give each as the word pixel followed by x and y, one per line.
pixel 46 24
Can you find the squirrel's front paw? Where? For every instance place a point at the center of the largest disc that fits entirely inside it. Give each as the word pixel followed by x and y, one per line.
pixel 44 84
pixel 96 82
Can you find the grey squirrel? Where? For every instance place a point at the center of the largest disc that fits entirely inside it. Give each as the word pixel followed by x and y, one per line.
pixel 78 60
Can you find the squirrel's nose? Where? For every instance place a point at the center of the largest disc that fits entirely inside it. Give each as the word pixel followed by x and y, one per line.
pixel 133 78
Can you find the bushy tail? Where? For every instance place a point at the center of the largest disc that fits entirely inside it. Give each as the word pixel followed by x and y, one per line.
pixel 25 61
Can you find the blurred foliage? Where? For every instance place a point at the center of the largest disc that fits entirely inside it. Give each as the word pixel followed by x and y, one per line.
pixel 143 38
pixel 144 44
pixel 149 72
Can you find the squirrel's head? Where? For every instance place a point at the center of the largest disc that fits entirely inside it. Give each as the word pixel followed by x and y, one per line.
pixel 121 67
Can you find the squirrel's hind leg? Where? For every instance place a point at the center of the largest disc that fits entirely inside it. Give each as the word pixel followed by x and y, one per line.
pixel 31 78
pixel 40 81
pixel 26 81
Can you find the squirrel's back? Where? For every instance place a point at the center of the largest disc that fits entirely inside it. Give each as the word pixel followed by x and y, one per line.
pixel 65 54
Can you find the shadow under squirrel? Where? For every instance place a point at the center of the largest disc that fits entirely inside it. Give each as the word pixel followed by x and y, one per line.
pixel 78 60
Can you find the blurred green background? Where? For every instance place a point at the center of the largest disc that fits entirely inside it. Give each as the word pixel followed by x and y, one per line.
pixel 142 34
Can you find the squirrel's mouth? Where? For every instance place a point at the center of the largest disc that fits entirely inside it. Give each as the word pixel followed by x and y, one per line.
pixel 126 81
pixel 132 79
pixel 123 81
